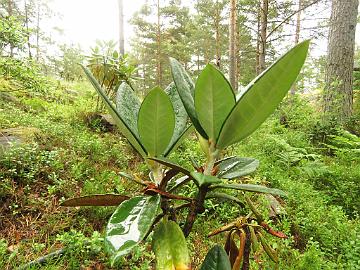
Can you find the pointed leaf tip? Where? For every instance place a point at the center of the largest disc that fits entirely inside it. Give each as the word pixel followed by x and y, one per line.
pixel 262 96
pixel 185 88
pixel 214 99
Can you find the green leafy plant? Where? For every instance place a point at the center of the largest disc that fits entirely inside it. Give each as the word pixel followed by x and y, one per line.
pixel 156 126
pixel 12 33
pixel 109 67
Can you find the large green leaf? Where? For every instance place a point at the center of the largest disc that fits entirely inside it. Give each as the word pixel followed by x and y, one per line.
pixel 262 96
pixel 156 122
pixel 185 88
pixel 129 224
pixel 96 200
pixel 216 259
pixel 205 180
pixel 169 246
pixel 126 130
pixel 234 167
pixel 251 188
pixel 128 106
pixel 180 116
pixel 214 99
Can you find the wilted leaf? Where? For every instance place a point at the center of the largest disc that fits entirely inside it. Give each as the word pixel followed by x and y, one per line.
pixel 96 200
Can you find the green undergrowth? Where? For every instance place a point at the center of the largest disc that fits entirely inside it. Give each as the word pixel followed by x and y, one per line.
pixel 69 158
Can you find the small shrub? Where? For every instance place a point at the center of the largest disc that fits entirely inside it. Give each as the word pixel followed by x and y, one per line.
pixel 27 164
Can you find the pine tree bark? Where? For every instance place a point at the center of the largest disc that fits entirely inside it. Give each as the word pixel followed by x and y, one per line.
pixel 121 28
pixel 297 38
pixel 158 37
pixel 233 46
pixel 27 28
pixel 38 32
pixel 257 65
pixel 264 10
pixel 338 98
pixel 217 35
pixel 10 13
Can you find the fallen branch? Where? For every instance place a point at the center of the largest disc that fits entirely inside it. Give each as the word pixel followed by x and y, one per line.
pixel 43 259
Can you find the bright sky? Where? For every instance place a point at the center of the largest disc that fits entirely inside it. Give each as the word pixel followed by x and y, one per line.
pixel 84 21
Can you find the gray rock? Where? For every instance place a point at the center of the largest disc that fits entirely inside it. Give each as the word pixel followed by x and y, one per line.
pixel 16 136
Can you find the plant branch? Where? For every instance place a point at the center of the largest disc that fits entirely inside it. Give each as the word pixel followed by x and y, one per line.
pixel 198 205
pixel 289 17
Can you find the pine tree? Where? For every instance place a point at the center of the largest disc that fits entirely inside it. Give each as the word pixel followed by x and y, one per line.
pixel 340 60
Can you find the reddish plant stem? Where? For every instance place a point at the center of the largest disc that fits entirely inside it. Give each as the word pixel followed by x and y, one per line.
pixel 247 250
pixel 196 208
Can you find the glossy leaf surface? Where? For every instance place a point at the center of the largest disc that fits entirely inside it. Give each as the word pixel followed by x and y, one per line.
pixel 262 96
pixel 156 122
pixel 96 200
pixel 234 167
pixel 205 180
pixel 180 116
pixel 216 259
pixel 169 246
pixel 128 106
pixel 134 141
pixel 129 224
pixel 252 188
pixel 185 88
pixel 214 99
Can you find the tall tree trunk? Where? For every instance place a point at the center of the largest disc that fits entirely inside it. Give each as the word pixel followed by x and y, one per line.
pixel 10 13
pixel 263 34
pixel 338 96
pixel 258 40
pixel 198 61
pixel 297 37
pixel 38 32
pixel 298 21
pixel 121 28
pixel 217 35
pixel 158 38
pixel 27 28
pixel 238 57
pixel 233 46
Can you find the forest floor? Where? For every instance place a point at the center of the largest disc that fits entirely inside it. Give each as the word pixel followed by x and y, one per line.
pixel 65 152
